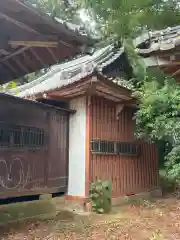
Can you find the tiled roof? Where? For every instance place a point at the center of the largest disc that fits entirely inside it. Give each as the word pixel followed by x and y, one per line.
pixel 162 40
pixel 66 73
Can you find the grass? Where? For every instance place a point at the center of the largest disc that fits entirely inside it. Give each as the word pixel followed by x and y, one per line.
pixel 146 220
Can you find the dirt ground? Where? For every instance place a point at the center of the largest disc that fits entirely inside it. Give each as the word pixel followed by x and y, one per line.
pixel 158 220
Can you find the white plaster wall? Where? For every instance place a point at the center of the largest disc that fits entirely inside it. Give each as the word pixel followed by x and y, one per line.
pixel 77 137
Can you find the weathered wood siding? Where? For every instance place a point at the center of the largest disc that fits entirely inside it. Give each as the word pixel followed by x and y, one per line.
pixel 129 175
pixel 33 148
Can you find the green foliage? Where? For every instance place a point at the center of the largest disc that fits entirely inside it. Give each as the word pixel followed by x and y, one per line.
pixel 158 118
pixel 173 163
pixel 100 194
pixel 164 147
pixel 70 11
pixel 159 108
pixel 167 182
pixel 7 86
pixel 62 9
pixel 127 18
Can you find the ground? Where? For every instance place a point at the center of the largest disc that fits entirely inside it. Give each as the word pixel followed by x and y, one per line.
pixel 157 220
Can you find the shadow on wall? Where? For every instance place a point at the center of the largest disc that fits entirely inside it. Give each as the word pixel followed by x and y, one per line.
pixel 54 103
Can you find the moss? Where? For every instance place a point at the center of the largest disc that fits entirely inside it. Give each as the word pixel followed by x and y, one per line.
pixel 45 197
pixel 14 212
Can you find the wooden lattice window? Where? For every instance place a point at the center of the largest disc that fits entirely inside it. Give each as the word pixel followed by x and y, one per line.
pixel 21 137
pixel 103 147
pixel 125 148
pixel 4 136
pixel 33 137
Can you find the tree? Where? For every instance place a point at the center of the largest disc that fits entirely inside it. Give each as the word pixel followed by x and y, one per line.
pixel 63 9
pixel 158 117
pixel 127 18
pixel 68 11
pixel 159 108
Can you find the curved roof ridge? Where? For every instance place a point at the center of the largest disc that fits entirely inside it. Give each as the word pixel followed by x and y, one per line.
pixel 64 67
pixel 165 33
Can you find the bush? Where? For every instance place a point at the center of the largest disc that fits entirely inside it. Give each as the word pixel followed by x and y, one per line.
pixel 167 183
pixel 100 194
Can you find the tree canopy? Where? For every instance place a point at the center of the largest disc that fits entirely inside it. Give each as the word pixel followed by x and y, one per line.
pixel 127 18
pixel 63 9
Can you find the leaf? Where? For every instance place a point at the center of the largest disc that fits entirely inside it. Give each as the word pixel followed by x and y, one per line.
pixel 100 210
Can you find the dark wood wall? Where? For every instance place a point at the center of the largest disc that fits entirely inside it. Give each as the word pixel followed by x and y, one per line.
pixel 33 148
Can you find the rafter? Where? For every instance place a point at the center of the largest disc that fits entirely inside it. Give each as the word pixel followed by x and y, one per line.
pixel 27 59
pixel 30 29
pixel 37 57
pixel 16 52
pixel 21 65
pixel 4 52
pixel 22 25
pixel 52 54
pixel 10 66
pixel 174 63
pixel 176 73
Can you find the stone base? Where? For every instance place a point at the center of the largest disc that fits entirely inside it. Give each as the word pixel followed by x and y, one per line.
pixel 139 196
pixel 82 204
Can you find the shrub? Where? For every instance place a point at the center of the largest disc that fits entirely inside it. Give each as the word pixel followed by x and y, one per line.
pixel 100 194
pixel 167 183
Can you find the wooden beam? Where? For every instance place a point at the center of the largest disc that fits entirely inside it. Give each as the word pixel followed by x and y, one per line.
pixel 173 64
pixel 10 66
pixel 21 65
pixel 22 25
pixel 52 54
pixel 16 52
pixel 28 60
pixel 176 73
pixel 31 37
pixel 129 102
pixel 169 64
pixel 53 44
pixel 114 92
pixel 37 57
pixel 110 97
pixel 68 91
pixel 119 109
pixel 4 52
pixel 165 54
pixel 27 28
pixel 53 24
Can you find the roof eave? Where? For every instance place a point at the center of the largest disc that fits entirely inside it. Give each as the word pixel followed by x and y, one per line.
pixel 94 84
